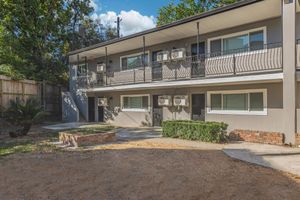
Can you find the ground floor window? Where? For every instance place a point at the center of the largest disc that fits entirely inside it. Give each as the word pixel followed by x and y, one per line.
pixel 238 102
pixel 135 102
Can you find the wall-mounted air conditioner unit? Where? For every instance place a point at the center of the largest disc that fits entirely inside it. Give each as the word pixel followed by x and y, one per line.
pixel 181 100
pixel 163 56
pixel 102 102
pixel 178 54
pixel 101 67
pixel 165 100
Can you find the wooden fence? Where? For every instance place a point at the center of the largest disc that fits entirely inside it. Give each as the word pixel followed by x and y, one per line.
pixel 49 94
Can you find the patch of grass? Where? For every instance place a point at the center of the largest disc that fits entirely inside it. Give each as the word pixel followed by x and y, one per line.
pixel 37 141
pixel 91 130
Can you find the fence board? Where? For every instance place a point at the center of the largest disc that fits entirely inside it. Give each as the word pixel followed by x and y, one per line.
pixel 49 94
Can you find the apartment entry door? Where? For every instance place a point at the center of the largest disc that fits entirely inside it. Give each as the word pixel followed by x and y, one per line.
pixel 198 65
pixel 198 107
pixel 156 67
pixel 100 114
pixel 91 109
pixel 157 112
pixel 100 110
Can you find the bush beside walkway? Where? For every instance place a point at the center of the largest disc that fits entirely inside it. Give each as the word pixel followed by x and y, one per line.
pixel 195 130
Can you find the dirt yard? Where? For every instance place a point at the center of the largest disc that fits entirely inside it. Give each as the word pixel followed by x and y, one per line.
pixel 140 170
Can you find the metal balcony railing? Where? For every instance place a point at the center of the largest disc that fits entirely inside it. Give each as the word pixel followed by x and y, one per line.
pixel 260 59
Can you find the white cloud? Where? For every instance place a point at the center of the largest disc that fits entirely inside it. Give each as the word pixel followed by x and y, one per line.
pixel 132 21
pixel 94 5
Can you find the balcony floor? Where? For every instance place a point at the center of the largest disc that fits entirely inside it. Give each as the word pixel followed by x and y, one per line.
pixel 213 81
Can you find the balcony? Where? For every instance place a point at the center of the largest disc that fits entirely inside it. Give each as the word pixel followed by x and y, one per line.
pixel 267 59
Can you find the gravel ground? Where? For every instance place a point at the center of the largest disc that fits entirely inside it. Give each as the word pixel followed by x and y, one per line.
pixel 140 170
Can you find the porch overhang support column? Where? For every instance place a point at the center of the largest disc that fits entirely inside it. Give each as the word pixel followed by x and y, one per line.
pixel 106 64
pixel 289 70
pixel 78 62
pixel 198 40
pixel 86 67
pixel 144 56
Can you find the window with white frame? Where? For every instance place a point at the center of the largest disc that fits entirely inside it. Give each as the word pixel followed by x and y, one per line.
pixel 81 70
pixel 134 61
pixel 238 102
pixel 238 42
pixel 135 102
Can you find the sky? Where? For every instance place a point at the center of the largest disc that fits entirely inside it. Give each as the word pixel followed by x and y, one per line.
pixel 136 15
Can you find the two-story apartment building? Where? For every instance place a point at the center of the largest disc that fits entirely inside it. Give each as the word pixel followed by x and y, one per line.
pixel 237 64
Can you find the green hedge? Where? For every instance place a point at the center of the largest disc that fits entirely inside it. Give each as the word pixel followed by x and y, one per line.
pixel 195 130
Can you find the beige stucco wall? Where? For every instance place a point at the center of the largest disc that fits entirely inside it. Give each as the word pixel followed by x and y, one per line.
pixel 274 35
pixel 271 122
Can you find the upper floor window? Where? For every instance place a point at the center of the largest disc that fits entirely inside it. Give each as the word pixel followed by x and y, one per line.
pixel 239 42
pixel 82 70
pixel 134 61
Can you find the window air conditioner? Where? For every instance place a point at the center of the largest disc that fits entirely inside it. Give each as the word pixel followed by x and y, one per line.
pixel 163 56
pixel 102 102
pixel 178 54
pixel 165 101
pixel 181 100
pixel 101 67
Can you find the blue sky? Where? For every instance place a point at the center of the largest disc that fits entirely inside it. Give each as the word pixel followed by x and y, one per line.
pixel 145 7
pixel 137 15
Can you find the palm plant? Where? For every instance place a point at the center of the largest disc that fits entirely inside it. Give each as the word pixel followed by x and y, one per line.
pixel 22 114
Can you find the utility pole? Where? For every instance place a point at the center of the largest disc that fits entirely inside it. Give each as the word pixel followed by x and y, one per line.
pixel 118 26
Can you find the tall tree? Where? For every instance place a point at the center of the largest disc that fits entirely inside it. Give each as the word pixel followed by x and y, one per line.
pixel 185 8
pixel 35 35
pixel 37 32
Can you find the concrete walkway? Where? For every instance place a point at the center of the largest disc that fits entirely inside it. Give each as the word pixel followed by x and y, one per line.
pixel 278 157
pixel 71 125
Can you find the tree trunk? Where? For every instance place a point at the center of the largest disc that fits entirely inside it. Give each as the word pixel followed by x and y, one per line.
pixel 25 129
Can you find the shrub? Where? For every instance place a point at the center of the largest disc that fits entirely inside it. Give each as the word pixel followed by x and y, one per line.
pixel 23 114
pixel 195 130
pixel 9 71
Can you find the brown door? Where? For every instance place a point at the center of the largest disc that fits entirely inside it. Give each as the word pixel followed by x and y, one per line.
pixel 198 107
pixel 91 109
pixel 157 112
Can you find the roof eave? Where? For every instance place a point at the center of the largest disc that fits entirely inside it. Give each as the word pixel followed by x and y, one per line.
pixel 173 24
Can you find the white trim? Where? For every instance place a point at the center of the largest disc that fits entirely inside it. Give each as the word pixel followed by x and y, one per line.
pixel 238 112
pixel 264 29
pixel 135 109
pixel 131 55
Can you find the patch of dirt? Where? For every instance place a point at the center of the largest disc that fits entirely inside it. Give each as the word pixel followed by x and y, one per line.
pixel 140 170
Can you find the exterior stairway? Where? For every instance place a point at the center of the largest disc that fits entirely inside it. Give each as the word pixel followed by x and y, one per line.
pixel 70 111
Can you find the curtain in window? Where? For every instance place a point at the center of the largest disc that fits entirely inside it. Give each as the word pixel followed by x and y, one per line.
pixel 235 44
pixel 134 62
pixel 256 102
pixel 138 102
pixel 235 101
pixel 216 102
pixel 256 40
